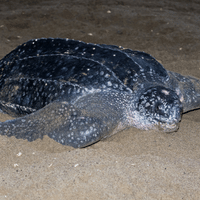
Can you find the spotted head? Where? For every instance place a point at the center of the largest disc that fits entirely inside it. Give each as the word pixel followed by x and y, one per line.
pixel 160 107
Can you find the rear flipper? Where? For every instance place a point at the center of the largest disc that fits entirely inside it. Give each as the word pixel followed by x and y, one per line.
pixel 75 125
pixel 22 96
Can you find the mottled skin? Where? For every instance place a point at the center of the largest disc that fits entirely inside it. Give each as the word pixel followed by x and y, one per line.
pixel 78 93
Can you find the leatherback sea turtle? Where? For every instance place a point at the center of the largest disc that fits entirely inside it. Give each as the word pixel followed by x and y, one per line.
pixel 78 93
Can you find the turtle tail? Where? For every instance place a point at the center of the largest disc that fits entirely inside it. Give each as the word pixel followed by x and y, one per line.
pixel 187 88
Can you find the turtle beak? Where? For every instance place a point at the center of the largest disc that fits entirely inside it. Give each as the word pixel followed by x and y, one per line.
pixel 168 128
pixel 172 124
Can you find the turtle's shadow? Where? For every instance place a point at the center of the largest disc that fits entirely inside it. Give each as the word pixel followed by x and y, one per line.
pixel 192 115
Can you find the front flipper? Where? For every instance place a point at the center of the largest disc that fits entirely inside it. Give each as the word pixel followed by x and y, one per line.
pixel 78 125
pixel 188 89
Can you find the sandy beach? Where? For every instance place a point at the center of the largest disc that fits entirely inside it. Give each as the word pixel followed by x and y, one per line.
pixel 132 164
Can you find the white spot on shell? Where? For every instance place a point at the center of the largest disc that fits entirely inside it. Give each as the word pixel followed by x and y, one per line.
pixel 102 73
pixel 109 83
pixel 107 76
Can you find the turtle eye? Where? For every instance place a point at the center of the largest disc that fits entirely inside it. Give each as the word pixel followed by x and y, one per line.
pixel 159 108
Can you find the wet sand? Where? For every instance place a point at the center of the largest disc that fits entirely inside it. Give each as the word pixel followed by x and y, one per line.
pixel 132 164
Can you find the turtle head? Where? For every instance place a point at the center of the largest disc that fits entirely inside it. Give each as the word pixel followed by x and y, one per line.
pixel 160 107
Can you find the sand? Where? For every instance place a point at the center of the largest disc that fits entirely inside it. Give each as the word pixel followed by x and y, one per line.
pixel 132 164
